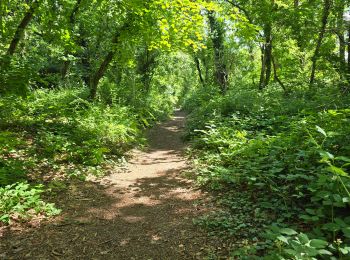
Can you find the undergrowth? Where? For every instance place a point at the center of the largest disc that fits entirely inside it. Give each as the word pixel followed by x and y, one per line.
pixel 281 164
pixel 58 134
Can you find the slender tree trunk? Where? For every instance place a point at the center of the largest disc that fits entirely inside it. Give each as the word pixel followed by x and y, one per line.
pixel 95 79
pixel 65 68
pixel 206 67
pixel 99 74
pixel 118 74
pixel 252 62
pixel 340 32
pixel 268 55
pixel 199 70
pixel 66 63
pixel 325 15
pixel 342 61
pixel 297 33
pixel 266 60
pixel 217 32
pixel 146 77
pixel 263 68
pixel 276 75
pixel 21 28
pixel 341 36
pixel 348 49
pixel 85 61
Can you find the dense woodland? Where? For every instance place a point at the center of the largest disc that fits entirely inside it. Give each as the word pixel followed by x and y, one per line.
pixel 265 84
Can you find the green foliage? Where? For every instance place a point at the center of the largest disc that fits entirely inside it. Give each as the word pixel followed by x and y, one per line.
pixel 64 127
pixel 298 246
pixel 288 142
pixel 292 154
pixel 52 133
pixel 20 201
pixel 12 167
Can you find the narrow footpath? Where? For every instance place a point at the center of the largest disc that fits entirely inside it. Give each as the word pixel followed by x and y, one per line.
pixel 142 212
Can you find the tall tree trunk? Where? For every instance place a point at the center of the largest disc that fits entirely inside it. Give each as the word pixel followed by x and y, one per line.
pixel 325 15
pixel 118 74
pixel 348 57
pixel 21 27
pixel 266 60
pixel 206 67
pixel 72 17
pixel 217 35
pixel 263 68
pixel 99 74
pixel 65 68
pixel 252 62
pixel 199 70
pixel 268 55
pixel 340 31
pixel 85 60
pixel 341 35
pixel 95 79
pixel 146 77
pixel 297 33
pixel 342 60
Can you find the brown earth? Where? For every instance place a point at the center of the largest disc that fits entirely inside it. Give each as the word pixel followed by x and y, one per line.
pixel 143 212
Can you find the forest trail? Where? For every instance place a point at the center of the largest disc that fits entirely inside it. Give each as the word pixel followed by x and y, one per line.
pixel 143 212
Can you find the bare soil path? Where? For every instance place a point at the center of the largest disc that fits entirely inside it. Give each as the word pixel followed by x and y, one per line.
pixel 144 212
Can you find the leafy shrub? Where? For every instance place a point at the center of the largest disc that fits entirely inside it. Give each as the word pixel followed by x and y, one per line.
pixel 21 201
pixel 292 157
pixel 65 127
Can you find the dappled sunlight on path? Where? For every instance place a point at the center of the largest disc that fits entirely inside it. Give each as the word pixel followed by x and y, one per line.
pixel 142 212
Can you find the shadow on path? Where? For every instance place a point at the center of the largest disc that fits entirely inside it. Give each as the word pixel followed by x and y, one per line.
pixel 144 212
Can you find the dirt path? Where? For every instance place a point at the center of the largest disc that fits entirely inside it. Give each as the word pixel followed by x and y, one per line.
pixel 144 212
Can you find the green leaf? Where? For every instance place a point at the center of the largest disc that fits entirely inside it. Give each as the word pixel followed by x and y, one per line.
pixel 337 170
pixel 346 232
pixel 342 158
pixel 326 155
pixel 344 251
pixel 288 231
pixel 283 239
pixel 346 199
pixel 331 227
pixel 320 130
pixel 290 251
pixel 324 252
pixel 303 238
pixel 310 251
pixel 318 243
